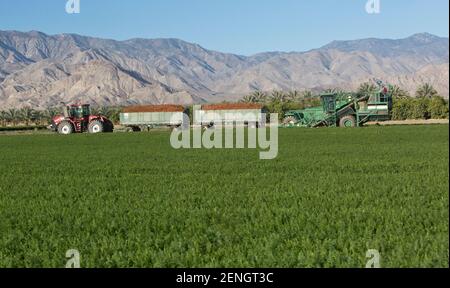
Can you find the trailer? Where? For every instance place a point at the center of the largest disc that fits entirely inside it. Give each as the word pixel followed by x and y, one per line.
pixel 344 110
pixel 146 117
pixel 251 114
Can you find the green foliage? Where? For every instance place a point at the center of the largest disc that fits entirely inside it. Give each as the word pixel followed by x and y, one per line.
pixel 255 97
pixel 280 102
pixel 112 113
pixel 419 108
pixel 367 89
pixel 248 99
pixel 294 96
pixel 401 108
pixel 399 93
pixel 278 97
pixel 438 108
pixel 130 200
pixel 276 107
pixel 426 91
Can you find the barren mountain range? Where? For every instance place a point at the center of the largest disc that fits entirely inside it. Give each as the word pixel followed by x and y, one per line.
pixel 40 70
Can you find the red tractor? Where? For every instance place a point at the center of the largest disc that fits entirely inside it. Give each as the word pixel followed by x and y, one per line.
pixel 77 118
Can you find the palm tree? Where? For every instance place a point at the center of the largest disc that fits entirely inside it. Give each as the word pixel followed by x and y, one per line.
pixel 114 114
pixel 293 96
pixel 331 91
pixel 13 116
pixel 307 94
pixel 259 97
pixel 95 110
pixel 399 93
pixel 278 96
pixel 27 114
pixel 39 117
pixel 105 111
pixel 367 89
pixel 255 97
pixel 3 118
pixel 248 99
pixel 426 91
pixel 49 113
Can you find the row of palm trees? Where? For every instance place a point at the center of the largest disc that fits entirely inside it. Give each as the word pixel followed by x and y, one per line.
pixel 27 115
pixel 426 91
pixel 278 96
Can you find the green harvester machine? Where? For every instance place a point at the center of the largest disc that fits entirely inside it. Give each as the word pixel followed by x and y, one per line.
pixel 344 109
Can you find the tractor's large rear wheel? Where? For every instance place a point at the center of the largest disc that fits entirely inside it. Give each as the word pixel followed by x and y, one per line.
pixel 347 121
pixel 108 127
pixel 290 120
pixel 95 126
pixel 65 128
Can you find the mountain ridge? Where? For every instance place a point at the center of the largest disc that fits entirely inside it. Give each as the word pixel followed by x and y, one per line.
pixel 39 69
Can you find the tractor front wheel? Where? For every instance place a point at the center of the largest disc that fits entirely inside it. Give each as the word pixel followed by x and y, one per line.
pixel 65 128
pixel 347 121
pixel 95 127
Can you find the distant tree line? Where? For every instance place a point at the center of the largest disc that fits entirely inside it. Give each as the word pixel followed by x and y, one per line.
pixel 280 101
pixel 28 116
pixel 427 104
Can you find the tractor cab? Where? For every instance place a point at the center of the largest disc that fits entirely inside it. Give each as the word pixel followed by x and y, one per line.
pixel 79 114
pixel 332 102
pixel 78 111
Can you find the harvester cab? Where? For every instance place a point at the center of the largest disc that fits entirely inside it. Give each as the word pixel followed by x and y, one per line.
pixel 329 103
pixel 342 109
pixel 77 118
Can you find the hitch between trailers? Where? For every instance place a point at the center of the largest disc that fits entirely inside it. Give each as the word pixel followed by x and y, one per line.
pixel 51 127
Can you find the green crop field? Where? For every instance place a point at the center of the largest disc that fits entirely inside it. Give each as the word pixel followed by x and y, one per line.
pixel 130 200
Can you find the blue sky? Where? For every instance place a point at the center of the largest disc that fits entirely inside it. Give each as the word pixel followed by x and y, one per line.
pixel 237 26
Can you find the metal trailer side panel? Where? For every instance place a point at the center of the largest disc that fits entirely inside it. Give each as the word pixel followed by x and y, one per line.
pixel 151 118
pixel 219 116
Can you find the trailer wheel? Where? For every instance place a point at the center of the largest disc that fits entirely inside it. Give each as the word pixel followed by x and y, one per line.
pixel 347 121
pixel 95 127
pixel 144 128
pixel 132 129
pixel 65 128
